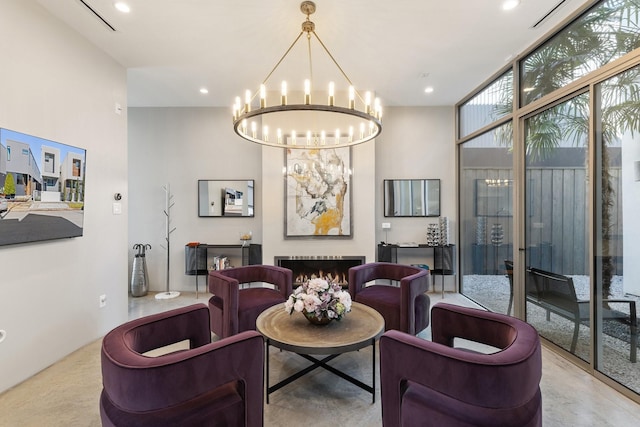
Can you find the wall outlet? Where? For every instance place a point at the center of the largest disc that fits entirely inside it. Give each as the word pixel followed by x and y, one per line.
pixel 386 225
pixel 103 301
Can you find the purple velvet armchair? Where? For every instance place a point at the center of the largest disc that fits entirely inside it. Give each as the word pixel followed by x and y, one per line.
pixel 210 384
pixel 404 307
pixel 235 310
pixel 426 383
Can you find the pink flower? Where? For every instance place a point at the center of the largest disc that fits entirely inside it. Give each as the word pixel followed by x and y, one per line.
pixel 320 297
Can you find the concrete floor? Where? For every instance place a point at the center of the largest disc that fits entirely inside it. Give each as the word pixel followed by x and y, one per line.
pixel 66 394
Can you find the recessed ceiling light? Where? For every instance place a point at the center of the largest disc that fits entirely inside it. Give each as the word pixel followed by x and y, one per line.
pixel 428 89
pixel 510 4
pixel 204 90
pixel 122 7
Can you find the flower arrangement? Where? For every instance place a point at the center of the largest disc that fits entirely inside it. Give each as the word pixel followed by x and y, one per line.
pixel 319 298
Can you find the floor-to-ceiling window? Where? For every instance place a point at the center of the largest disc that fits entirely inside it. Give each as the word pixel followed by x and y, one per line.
pixel 617 229
pixel 486 204
pixel 549 185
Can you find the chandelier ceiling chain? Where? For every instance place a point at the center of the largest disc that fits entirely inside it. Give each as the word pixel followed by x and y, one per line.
pixel 319 125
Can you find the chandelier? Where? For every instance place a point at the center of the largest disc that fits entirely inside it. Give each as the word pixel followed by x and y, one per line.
pixel 303 123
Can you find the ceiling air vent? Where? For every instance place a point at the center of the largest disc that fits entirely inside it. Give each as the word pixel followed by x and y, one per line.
pixel 97 15
pixel 548 14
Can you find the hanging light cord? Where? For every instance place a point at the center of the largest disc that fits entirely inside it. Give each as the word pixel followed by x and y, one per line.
pixel 310 63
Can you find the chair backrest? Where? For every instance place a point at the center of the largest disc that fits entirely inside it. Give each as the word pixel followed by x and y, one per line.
pixel 280 277
pixel 388 270
pixel 553 284
pixel 361 274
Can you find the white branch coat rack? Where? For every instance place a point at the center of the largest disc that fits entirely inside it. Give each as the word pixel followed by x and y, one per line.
pixel 167 213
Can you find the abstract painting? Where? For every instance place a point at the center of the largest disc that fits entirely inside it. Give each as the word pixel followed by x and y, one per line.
pixel 318 192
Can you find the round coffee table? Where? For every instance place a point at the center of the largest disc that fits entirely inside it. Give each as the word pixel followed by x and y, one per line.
pixel 359 328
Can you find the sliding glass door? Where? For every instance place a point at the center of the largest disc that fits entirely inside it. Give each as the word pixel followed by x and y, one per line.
pixel 557 224
pixel 617 228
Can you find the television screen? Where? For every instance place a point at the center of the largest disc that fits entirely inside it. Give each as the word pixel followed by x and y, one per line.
pixel 42 186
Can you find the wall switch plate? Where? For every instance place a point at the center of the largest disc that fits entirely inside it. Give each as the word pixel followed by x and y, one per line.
pixel 117 208
pixel 103 301
pixel 386 225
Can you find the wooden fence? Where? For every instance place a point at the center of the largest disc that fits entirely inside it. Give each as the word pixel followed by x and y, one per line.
pixel 556 215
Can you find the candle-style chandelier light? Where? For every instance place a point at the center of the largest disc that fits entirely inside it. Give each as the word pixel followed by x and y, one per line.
pixel 303 123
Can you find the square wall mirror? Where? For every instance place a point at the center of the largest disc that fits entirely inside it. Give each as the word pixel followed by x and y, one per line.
pixel 411 197
pixel 225 198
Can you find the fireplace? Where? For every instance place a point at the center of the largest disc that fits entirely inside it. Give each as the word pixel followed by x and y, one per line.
pixel 331 268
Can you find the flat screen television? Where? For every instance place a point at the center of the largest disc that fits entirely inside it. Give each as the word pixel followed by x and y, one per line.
pixel 42 188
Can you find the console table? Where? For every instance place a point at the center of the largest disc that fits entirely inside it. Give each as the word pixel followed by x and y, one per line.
pixel 443 257
pixel 196 256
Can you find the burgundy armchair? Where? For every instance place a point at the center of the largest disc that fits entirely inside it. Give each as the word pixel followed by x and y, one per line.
pixel 235 310
pixel 426 383
pixel 210 384
pixel 404 307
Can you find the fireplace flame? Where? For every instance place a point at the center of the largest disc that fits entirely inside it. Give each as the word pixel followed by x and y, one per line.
pixel 331 277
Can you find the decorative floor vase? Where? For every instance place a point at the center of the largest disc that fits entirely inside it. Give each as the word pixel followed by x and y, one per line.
pixel 320 321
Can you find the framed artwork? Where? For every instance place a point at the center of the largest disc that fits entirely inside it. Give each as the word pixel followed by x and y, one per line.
pixel 318 193
pixel 42 188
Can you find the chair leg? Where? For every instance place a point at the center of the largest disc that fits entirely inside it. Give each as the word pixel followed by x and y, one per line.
pixel 574 342
pixel 634 343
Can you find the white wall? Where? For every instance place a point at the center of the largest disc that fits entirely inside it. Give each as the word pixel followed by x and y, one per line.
pixel 417 142
pixel 57 86
pixel 179 146
pixel 182 145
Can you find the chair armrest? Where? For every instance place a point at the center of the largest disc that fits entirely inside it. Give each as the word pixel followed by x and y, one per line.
pixel 410 288
pixel 633 316
pixel 226 289
pixel 223 286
